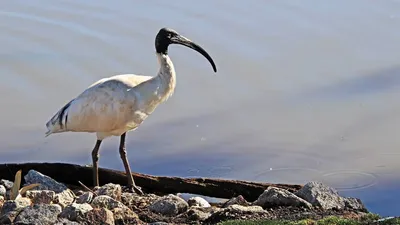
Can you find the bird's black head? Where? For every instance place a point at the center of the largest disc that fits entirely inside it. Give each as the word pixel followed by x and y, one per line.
pixel 167 36
pixel 164 39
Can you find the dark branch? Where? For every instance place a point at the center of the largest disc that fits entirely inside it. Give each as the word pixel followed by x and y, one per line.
pixel 70 174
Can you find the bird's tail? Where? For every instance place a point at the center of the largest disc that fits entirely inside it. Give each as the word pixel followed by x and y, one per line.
pixel 51 128
pixel 58 123
pixel 48 132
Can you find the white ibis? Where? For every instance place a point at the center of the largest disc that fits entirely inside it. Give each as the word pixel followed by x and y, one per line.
pixel 118 104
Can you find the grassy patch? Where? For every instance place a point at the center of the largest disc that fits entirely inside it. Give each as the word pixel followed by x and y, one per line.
pixel 331 220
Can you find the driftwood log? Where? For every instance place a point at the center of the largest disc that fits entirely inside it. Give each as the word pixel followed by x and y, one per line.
pixel 70 174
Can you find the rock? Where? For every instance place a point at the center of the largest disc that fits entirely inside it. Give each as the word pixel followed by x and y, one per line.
pixel 64 198
pixel 354 203
pixel 198 202
pixel 197 214
pixel 86 197
pixel 136 201
pixel 159 223
pixel 321 195
pixel 245 209
pixel 15 205
pixel 63 221
pixel 169 205
pixel 107 202
pixel 239 200
pixel 38 214
pixel 95 188
pixel 8 194
pixel 46 182
pixel 7 184
pixel 112 190
pixel 124 216
pixel 9 217
pixel 234 212
pixel 79 192
pixel 97 216
pixel 12 208
pixel 3 191
pixel 273 197
pixel 71 212
pixel 1 201
pixel 41 196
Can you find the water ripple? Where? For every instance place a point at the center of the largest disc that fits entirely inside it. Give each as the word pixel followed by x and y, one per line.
pixel 296 175
pixel 350 180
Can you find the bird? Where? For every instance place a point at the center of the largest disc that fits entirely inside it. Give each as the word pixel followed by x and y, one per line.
pixel 115 105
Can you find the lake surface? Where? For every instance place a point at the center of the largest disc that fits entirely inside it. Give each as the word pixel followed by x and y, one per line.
pixel 305 90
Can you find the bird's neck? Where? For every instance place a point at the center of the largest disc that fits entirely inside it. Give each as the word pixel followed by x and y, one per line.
pixel 166 75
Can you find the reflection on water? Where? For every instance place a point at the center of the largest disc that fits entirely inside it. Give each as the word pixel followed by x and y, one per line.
pixel 366 85
pixel 304 90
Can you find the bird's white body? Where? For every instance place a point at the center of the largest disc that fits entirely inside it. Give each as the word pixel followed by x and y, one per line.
pixel 115 105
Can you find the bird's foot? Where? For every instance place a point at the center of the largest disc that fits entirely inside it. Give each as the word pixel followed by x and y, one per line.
pixel 134 189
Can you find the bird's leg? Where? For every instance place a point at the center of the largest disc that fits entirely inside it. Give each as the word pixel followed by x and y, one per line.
pixel 95 158
pixel 122 152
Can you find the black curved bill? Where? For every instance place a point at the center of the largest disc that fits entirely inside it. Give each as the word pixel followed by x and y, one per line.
pixel 188 43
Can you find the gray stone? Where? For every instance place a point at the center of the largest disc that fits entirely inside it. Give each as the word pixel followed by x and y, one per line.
pixel 135 201
pixel 110 189
pixel 71 212
pixel 237 212
pixel 124 216
pixel 159 223
pixel 86 197
pixel 198 202
pixel 95 188
pixel 46 182
pixel 97 216
pixel 321 195
pixel 9 217
pixel 169 205
pixel 239 200
pixel 245 209
pixel 38 214
pixel 3 191
pixel 197 214
pixel 354 203
pixel 41 196
pixel 63 221
pixel 107 202
pixel 274 196
pixel 79 192
pixel 15 205
pixel 8 194
pixel 7 184
pixel 64 198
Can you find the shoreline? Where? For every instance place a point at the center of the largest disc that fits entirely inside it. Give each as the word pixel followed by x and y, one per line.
pixel 49 193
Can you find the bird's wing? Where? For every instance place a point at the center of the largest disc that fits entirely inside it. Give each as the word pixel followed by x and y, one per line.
pixel 102 107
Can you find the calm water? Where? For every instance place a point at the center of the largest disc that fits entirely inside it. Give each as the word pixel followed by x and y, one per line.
pixel 306 90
